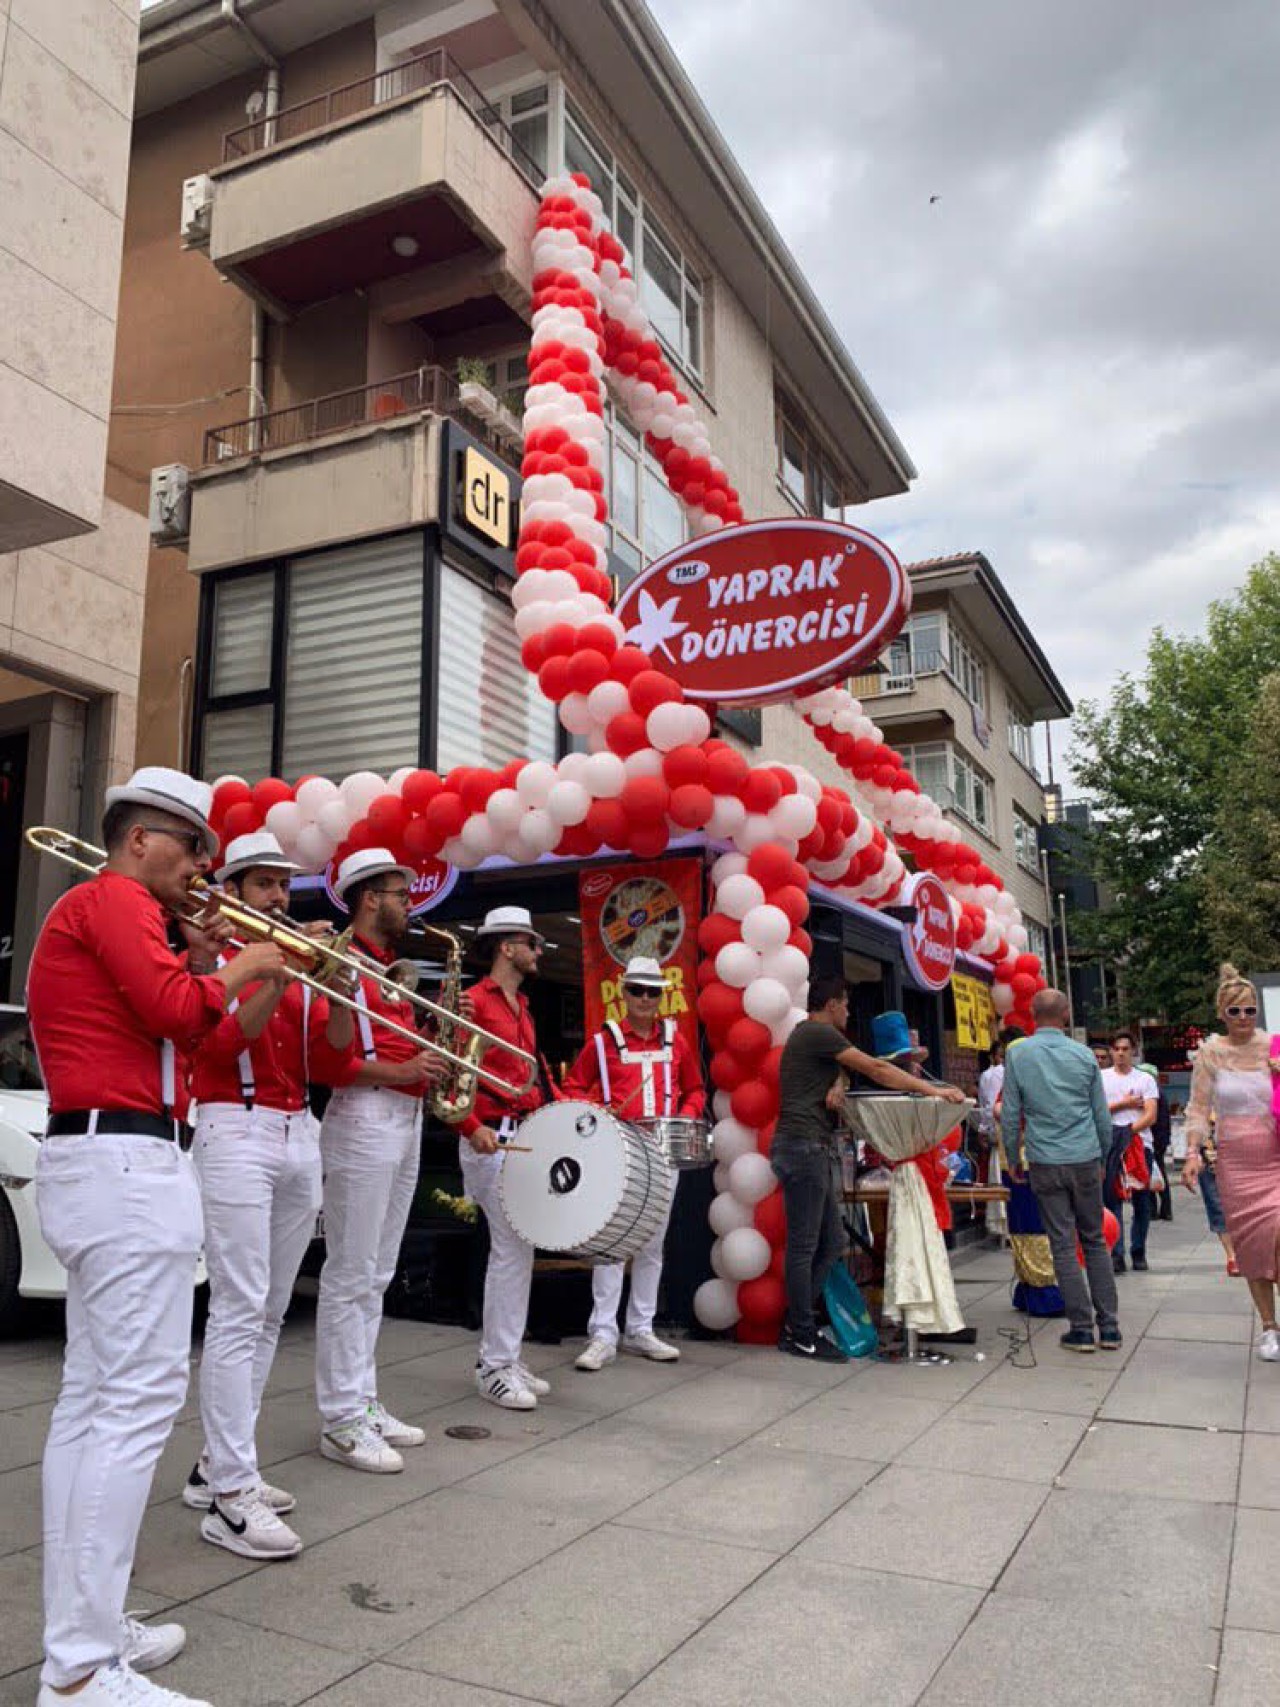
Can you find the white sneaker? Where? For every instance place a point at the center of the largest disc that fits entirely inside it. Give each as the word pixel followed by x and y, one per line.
pixel 198 1495
pixel 245 1524
pixel 146 1647
pixel 1269 1345
pixel 536 1385
pixel 360 1447
pixel 506 1387
pixel 392 1430
pixel 117 1685
pixel 599 1352
pixel 649 1345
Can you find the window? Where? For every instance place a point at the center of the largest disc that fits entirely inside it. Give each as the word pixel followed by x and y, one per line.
pixel 972 791
pixel 669 287
pixel 239 716
pixel 808 475
pixel 489 708
pixel 1022 737
pixel 1037 941
pixel 930 764
pixel 526 112
pixel 967 670
pixel 507 376
pixel 645 517
pixel 954 781
pixel 1026 847
pixel 920 650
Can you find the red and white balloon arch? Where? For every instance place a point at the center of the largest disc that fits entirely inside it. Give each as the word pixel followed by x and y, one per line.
pixel 652 768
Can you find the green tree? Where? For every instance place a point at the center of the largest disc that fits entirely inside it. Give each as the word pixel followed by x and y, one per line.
pixel 1160 759
pixel 1240 874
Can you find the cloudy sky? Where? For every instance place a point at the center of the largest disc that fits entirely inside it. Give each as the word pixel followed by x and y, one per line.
pixel 1078 341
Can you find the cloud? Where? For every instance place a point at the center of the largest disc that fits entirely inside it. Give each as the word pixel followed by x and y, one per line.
pixel 1079 341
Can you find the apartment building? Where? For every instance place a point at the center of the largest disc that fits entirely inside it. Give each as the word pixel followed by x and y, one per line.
pixel 327 286
pixel 959 694
pixel 72 565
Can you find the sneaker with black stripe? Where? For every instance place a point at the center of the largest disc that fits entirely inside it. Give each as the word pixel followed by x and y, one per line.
pixel 506 1388
pixel 816 1347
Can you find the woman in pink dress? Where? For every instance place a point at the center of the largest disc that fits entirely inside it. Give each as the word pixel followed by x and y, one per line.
pixel 1232 1080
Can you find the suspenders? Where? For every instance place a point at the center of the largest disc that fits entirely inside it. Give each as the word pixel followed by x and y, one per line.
pixel 646 1059
pixel 244 1061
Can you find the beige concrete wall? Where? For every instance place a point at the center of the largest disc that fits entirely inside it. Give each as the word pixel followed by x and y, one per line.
pixel 66 97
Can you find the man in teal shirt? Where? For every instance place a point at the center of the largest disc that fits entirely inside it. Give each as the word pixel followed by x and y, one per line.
pixel 1055 1110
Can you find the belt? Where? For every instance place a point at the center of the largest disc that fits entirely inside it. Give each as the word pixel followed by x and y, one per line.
pixel 74 1122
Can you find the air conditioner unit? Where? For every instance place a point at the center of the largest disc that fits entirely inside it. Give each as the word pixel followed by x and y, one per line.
pixel 197 210
pixel 170 509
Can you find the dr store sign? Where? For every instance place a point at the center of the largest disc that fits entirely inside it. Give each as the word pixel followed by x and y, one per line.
pixel 929 941
pixel 768 610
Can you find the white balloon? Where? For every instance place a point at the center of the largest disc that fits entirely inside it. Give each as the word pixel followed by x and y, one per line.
pixel 335 818
pixel 361 789
pixel 795 815
pixel 721 1105
pixel 604 776
pixel 478 836
pixel 720 1176
pixel 751 1179
pixel 746 1253
pixel 568 803
pixel 737 965
pixel 644 763
pixel 575 715
pixel 312 848
pixel 728 865
pixel 739 895
pixel 766 928
pixel 538 832
pixel 535 782
pixel 781 1029
pixel 665 726
pixel 315 792
pixel 697 726
pixel 1018 937
pixel 285 819
pixel 728 815
pixel 504 810
pixel 1003 998
pixel 572 767
pixel 715 1304
pixel 788 965
pixel 765 999
pixel 228 778
pixel 608 700
pixel 731 1139
pixel 717 1256
pixel 756 829
pixel 396 781
pixel 727 1215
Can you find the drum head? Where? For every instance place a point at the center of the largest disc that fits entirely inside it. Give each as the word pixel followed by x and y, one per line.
pixel 568 1189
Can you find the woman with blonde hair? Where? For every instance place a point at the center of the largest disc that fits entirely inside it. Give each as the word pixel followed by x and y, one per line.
pixel 1232 1081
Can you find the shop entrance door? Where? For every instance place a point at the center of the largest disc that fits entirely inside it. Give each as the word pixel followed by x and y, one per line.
pixel 13 788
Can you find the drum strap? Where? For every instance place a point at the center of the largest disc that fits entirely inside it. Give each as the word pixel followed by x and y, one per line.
pixel 646 1060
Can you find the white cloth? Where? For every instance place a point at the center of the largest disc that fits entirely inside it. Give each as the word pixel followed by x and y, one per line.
pixel 369 1146
pixel 259 1175
pixel 990 1084
pixel 919 1289
pixel 1135 1083
pixel 646 1276
pixel 122 1215
pixel 509 1274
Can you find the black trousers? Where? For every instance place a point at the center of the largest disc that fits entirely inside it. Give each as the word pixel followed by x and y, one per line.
pixel 809 1173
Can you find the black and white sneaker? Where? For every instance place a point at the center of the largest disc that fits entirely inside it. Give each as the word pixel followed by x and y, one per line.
pixel 817 1348
pixel 245 1524
pixel 504 1387
pixel 198 1495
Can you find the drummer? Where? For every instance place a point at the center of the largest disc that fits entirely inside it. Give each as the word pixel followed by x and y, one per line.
pixel 642 1069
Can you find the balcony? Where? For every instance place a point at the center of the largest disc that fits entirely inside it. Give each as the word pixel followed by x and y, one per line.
pixel 407 178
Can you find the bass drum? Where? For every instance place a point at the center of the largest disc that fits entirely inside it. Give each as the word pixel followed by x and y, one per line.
pixel 592 1185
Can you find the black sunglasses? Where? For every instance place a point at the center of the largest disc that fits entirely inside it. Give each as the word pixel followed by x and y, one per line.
pixel 1242 1013
pixel 395 894
pixel 192 840
pixel 641 990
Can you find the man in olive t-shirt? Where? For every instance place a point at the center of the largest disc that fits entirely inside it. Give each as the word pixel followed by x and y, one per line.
pixel 804 1153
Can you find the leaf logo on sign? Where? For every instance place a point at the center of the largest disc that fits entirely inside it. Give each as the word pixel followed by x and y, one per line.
pixel 656 626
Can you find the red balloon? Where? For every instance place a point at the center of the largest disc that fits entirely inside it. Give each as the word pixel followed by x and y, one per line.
pixel 760 792
pixel 778 1262
pixel 771 1217
pixel 748 1040
pixel 769 1066
pixel 626 734
pixel 227 795
pixel 771 866
pixel 1024 986
pixel 359 837
pixel 762 1301
pixel 803 941
pixel 1110 1229
pixel 553 677
pixel 650 689
pixel 270 792
pixel 419 842
pixel 445 815
pixel 648 841
pixel 386 818
pixel 716 931
pixel 726 771
pixel 587 669
pixel 728 1070
pixel 691 805
pixel 420 788
pixel 607 820
pixel 685 767
pixel 241 820
pixel 754 1103
pixel 757 1333
pixel 477 788
pixel 644 800
pixel 794 903
pixel 718 1007
pixel 627 663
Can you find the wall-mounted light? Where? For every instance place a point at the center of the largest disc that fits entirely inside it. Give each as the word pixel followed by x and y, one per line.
pixel 405 246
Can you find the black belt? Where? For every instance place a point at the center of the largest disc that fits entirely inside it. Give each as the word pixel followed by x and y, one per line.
pixel 75 1122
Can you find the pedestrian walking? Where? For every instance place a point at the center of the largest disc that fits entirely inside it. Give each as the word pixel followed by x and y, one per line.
pixel 1133 1099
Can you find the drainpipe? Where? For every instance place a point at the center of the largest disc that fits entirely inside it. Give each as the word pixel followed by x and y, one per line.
pixel 258 325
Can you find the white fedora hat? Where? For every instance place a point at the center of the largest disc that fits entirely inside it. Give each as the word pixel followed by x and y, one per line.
pixel 169 791
pixel 259 848
pixel 369 862
pixel 643 969
pixel 508 921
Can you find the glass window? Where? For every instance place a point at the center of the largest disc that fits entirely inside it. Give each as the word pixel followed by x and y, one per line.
pixel 793 462
pixel 1025 848
pixel 928 633
pixel 489 709
pixel 581 156
pixel 243 613
pixel 645 517
pixel 663 517
pixel 1037 942
pixel 237 743
pixel 809 475
pixel 1022 737
pixel 968 670
pixel 532 134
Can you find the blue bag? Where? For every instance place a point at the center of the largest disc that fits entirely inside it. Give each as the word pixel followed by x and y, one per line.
pixel 851 1325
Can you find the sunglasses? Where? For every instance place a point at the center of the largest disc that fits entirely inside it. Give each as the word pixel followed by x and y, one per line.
pixel 192 840
pixel 1241 1013
pixel 642 990
pixel 395 894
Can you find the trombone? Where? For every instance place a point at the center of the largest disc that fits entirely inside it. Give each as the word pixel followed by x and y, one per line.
pixel 322 960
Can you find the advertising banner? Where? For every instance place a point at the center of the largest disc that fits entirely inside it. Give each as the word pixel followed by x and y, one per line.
pixel 975 1015
pixel 652 909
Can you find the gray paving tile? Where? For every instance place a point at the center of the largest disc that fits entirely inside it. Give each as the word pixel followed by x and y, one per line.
pixel 393 1686
pixel 1179 1382
pixel 20 1521
pixel 373 1588
pixel 753 1496
pixel 854 1422
pixel 269 1670
pixel 1260 1472
pixel 1024 1446
pixel 1165 1463
pixel 22 1437
pixel 1069 1557
pixel 1217 1328
pixel 929 1523
pixel 1076 1390
pixel 935 1382
pixel 767 1363
pixel 1262 1412
pixel 1255 1570
pixel 1249 1669
pixel 22 1621
pixel 34 1383
pixel 585 1625
pixel 721 1405
pixel 171 1558
pixel 1039 1654
pixel 866 1637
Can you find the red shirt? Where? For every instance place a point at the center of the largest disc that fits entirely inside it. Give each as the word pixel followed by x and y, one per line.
pixel 386 1045
pixel 627 1093
pixel 278 1067
pixel 104 989
pixel 492 1010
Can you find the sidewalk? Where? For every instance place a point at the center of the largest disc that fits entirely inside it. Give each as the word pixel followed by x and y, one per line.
pixel 742 1528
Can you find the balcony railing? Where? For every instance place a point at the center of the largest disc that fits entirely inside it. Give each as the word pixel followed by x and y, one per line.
pixel 426 390
pixel 349 100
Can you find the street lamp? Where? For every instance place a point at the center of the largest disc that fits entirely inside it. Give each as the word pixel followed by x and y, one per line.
pixel 1066 961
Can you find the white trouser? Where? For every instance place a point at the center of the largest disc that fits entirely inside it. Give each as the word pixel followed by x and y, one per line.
pixel 509 1275
pixel 369 1145
pixel 646 1274
pixel 122 1214
pixel 260 1182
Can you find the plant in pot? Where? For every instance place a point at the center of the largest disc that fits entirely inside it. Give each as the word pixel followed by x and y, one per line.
pixel 474 393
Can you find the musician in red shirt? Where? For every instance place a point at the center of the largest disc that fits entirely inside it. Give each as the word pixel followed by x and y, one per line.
pixel 500 1006
pixel 641 1069
pixel 257 1153
pixel 120 1208
pixel 369 1142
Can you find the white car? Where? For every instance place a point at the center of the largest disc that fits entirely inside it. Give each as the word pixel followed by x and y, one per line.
pixel 28 1268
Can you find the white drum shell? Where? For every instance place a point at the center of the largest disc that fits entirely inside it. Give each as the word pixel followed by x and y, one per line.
pixel 593 1186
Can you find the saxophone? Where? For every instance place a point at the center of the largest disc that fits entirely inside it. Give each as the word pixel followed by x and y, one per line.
pixel 453 1097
